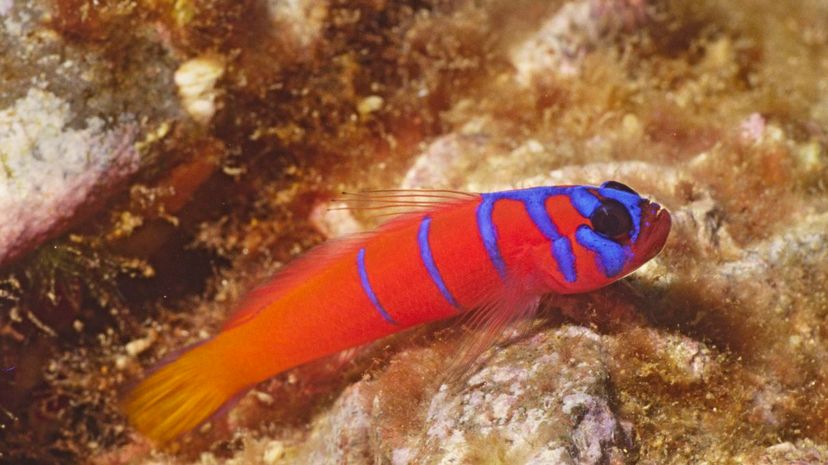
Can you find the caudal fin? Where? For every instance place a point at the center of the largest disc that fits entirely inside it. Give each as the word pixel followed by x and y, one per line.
pixel 180 395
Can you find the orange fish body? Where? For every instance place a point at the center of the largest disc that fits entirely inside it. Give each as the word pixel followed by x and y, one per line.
pixel 435 264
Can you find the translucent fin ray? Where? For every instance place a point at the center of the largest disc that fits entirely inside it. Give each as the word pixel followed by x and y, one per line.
pixel 402 199
pixel 510 307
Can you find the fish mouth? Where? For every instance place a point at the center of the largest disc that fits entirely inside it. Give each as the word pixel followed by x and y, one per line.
pixel 655 227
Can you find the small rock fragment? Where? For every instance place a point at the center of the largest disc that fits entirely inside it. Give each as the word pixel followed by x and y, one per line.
pixel 300 22
pixel 369 105
pixel 264 398
pixel 196 80
pixel 274 450
pixel 137 346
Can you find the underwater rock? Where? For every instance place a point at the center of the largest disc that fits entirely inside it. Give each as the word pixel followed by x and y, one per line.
pixel 69 128
pixel 560 45
pixel 676 360
pixel 799 453
pixel 546 393
pixel 344 434
pixel 440 165
pixel 300 22
pixel 196 80
pixel 50 171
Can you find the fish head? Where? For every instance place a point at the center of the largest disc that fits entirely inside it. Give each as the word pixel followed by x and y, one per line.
pixel 607 232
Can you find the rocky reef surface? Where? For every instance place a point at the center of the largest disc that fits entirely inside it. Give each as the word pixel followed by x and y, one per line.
pixel 158 158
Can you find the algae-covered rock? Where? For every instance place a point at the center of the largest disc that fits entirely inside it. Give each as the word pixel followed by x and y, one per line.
pixel 71 118
pixel 50 170
pixel 803 452
pixel 547 393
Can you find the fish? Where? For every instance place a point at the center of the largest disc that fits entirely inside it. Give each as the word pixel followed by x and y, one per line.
pixel 493 255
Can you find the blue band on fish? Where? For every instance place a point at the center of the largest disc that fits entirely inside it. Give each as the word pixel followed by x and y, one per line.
pixel 610 256
pixel 430 264
pixel 534 200
pixel 366 286
pixel 584 201
pixel 562 251
pixel 488 233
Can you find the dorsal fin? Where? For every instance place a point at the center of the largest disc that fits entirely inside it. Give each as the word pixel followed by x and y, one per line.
pixel 393 203
pixel 406 206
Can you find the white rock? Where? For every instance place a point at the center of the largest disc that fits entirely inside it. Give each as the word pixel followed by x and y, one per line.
pixel 196 80
pixel 274 451
pixel 49 168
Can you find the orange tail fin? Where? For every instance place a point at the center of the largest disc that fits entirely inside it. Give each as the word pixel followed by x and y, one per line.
pixel 181 394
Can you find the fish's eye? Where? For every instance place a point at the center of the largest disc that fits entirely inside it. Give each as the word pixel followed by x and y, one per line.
pixel 618 186
pixel 611 219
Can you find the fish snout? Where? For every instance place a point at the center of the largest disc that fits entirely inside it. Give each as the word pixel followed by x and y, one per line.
pixel 655 228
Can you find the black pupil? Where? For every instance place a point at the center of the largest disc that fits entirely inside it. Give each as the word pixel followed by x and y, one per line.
pixel 619 187
pixel 611 219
